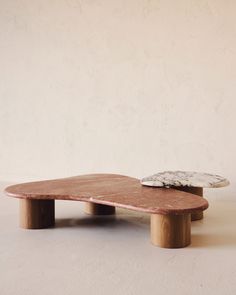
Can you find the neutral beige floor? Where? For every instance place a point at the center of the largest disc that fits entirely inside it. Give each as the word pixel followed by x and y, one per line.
pixel 85 255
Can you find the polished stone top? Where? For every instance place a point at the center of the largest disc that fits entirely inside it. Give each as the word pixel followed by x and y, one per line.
pixel 184 178
pixel 111 189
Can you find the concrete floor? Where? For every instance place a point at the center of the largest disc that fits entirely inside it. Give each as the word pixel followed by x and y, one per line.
pixel 85 255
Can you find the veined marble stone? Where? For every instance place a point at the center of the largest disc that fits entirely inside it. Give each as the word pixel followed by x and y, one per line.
pixel 184 178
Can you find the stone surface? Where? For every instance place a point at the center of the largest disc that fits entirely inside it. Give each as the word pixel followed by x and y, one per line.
pixel 184 178
pixel 111 255
pixel 111 189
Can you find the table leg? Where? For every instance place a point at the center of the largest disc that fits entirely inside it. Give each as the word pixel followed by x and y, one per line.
pixel 196 191
pixel 171 231
pixel 36 214
pixel 99 209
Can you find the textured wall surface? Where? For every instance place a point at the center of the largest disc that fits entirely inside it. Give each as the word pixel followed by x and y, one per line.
pixel 128 86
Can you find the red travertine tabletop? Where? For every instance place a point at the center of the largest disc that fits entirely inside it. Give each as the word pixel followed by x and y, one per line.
pixel 111 189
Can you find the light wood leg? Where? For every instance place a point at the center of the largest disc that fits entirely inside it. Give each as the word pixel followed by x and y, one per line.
pixel 196 191
pixel 36 214
pixel 171 231
pixel 98 209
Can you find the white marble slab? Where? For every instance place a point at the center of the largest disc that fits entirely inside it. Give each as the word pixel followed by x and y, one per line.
pixel 184 178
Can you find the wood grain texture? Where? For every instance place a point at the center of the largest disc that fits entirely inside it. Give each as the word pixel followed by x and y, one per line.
pixel 98 209
pixel 36 214
pixel 113 190
pixel 171 231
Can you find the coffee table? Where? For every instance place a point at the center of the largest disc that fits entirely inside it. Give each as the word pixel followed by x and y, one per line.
pixel 170 209
pixel 187 181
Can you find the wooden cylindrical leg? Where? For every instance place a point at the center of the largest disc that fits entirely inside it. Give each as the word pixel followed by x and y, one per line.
pixel 196 191
pixel 36 214
pixel 171 231
pixel 98 209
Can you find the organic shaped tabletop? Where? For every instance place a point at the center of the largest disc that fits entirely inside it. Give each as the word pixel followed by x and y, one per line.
pixel 111 189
